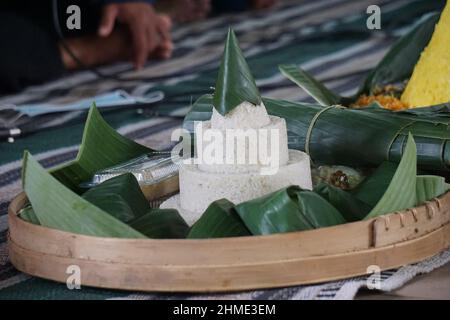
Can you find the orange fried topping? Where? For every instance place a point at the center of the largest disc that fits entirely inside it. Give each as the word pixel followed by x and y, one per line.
pixel 386 101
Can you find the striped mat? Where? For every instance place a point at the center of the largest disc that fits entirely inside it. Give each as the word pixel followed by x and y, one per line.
pixel 328 38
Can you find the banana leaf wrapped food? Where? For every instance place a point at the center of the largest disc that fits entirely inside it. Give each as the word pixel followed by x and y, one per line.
pixel 354 137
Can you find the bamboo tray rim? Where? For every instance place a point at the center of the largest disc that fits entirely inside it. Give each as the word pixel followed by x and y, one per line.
pixel 370 250
pixel 234 263
pixel 256 285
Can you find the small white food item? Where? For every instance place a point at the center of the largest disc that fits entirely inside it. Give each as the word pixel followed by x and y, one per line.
pixel 204 182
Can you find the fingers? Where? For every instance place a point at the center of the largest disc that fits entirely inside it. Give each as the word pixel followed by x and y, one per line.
pixel 164 51
pixel 139 35
pixel 108 19
pixel 165 20
pixel 149 32
pixel 164 25
pixel 166 46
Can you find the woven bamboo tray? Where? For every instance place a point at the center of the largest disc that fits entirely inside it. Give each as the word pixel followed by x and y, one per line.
pixel 231 264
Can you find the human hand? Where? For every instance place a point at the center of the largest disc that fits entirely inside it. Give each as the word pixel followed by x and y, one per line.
pixel 149 31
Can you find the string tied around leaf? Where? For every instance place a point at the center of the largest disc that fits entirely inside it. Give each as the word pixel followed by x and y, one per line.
pixel 313 122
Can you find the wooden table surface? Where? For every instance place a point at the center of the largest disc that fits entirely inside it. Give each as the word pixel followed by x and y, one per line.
pixel 434 285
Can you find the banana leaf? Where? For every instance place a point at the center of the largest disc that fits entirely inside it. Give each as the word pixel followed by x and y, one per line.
pixel 114 208
pixel 286 210
pixel 401 191
pixel 357 138
pixel 28 215
pixel 161 224
pixel 396 66
pixel 439 114
pixel 389 188
pixel 438 111
pixel 120 196
pixel 235 83
pixel 373 187
pixel 429 187
pixel 219 220
pixel 351 208
pixel 101 147
pixel 312 86
pixel 58 207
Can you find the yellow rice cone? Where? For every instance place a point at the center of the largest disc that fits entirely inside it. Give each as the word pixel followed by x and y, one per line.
pixel 430 81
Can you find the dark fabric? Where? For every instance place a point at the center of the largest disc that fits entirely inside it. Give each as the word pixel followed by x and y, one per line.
pixel 29 54
pixel 29 41
pixel 221 6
